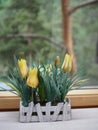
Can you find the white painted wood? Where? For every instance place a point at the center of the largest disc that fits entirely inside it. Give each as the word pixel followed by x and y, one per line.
pixel 39 112
pixel 64 112
pixel 45 113
pixel 30 110
pixel 48 106
pixel 69 113
pixel 68 110
pixel 57 111
pixel 34 119
pixel 22 111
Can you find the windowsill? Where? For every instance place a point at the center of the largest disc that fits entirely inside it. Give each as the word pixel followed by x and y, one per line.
pixel 79 99
pixel 82 119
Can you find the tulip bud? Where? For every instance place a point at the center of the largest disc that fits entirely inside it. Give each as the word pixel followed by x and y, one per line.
pixel 32 80
pixel 23 67
pixel 57 61
pixel 70 64
pixel 67 64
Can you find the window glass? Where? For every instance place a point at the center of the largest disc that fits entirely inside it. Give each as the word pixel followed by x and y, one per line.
pixel 34 29
pixel 42 19
pixel 85 39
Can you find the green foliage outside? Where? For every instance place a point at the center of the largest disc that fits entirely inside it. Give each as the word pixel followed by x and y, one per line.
pixel 85 38
pixel 44 17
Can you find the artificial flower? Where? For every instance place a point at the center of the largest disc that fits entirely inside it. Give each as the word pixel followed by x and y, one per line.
pixel 57 61
pixel 23 67
pixel 32 80
pixel 67 64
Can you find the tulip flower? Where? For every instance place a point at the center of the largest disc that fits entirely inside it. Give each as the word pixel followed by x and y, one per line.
pixel 57 61
pixel 32 80
pixel 67 64
pixel 23 67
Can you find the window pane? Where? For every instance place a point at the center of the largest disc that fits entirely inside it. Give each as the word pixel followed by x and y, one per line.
pixel 40 18
pixel 85 39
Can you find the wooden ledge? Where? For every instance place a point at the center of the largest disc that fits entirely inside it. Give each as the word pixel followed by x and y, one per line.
pixel 8 101
pixel 84 98
pixel 79 99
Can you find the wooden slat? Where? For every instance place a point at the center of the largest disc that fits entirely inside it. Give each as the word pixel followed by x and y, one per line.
pixel 48 105
pixel 56 111
pixel 39 112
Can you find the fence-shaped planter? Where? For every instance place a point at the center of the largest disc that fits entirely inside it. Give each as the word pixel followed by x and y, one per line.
pixel 38 113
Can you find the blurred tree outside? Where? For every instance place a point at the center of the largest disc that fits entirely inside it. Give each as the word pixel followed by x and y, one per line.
pixel 28 17
pixel 85 35
pixel 44 18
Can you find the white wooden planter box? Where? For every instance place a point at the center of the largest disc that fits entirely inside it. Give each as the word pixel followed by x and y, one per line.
pixel 38 113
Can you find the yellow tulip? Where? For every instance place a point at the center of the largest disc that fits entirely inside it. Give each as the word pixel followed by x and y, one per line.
pixel 57 61
pixel 23 67
pixel 67 64
pixel 70 64
pixel 32 80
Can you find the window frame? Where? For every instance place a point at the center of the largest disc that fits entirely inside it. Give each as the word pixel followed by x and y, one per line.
pixel 79 99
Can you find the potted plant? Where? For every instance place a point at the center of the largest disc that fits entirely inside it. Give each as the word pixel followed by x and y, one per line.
pixel 43 89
